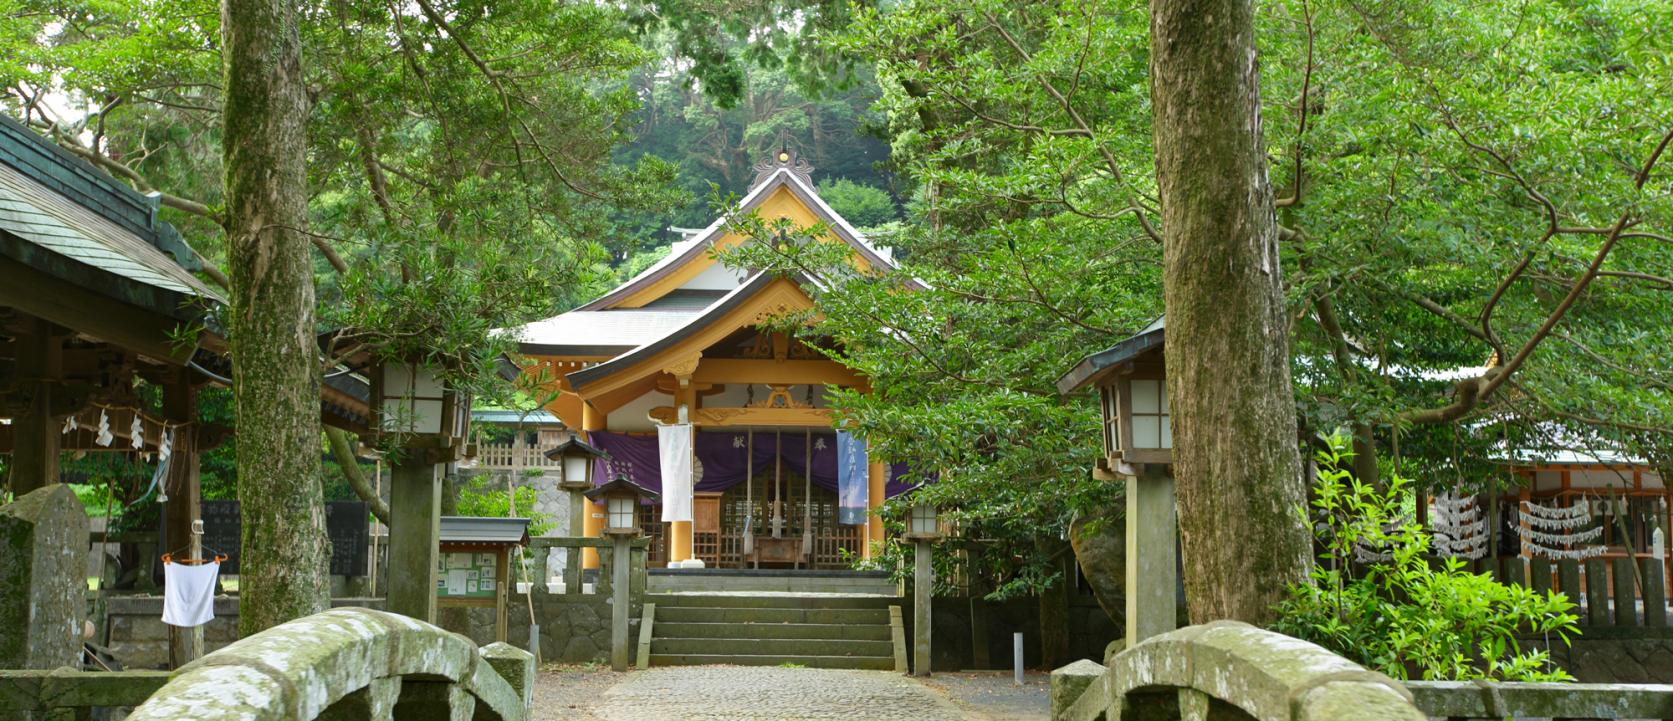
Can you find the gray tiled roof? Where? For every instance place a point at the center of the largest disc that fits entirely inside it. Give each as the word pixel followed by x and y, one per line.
pixel 29 210
pixel 605 328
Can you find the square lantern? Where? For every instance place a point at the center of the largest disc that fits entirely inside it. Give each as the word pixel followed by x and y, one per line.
pixel 576 460
pixel 924 522
pixel 412 398
pixel 1131 378
pixel 622 498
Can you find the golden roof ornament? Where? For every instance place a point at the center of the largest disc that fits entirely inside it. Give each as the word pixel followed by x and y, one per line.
pixel 785 157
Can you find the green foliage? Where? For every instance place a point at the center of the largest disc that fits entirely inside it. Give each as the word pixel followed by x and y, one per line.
pixel 863 206
pixel 1408 615
pixel 485 495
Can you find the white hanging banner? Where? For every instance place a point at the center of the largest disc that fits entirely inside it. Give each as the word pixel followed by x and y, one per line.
pixel 673 443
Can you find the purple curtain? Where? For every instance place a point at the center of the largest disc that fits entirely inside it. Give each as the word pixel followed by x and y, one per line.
pixel 722 455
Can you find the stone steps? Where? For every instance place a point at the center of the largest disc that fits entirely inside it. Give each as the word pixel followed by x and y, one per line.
pixel 866 663
pixel 772 600
pixel 696 614
pixel 857 632
pixel 769 581
pixel 850 631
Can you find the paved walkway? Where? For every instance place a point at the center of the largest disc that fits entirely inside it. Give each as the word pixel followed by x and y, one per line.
pixel 737 693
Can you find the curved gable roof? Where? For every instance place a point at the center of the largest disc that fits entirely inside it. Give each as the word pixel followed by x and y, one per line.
pixel 688 251
pixel 710 318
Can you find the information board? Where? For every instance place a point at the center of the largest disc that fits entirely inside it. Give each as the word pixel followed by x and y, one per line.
pixel 345 523
pixel 467 574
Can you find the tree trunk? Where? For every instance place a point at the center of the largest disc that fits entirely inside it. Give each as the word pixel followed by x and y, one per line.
pixel 1234 423
pixel 276 378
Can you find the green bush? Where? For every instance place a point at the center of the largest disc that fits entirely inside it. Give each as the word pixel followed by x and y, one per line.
pixel 485 495
pixel 1410 615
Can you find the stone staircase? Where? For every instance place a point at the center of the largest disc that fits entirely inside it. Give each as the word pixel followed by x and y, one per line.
pixel 858 627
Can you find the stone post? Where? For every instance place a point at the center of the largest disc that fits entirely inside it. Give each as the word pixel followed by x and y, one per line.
pixel 43 579
pixel 1152 556
pixel 621 558
pixel 923 591
pixel 414 534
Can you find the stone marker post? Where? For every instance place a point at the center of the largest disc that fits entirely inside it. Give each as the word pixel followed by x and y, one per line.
pixel 578 507
pixel 43 579
pixel 621 558
pixel 414 532
pixel 1152 555
pixel 923 591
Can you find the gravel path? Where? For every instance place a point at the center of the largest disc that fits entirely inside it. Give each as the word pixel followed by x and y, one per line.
pixel 739 693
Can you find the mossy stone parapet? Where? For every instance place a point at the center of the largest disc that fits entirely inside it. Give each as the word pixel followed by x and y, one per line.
pixel 354 656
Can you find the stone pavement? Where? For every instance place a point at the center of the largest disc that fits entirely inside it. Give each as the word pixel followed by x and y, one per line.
pixel 738 693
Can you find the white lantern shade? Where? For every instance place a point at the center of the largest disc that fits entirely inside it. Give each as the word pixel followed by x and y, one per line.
pixel 1149 413
pixel 622 512
pixel 414 399
pixel 924 522
pixel 576 467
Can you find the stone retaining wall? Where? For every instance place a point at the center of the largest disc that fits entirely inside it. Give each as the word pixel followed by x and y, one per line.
pixel 573 628
pixel 1606 655
pixel 135 634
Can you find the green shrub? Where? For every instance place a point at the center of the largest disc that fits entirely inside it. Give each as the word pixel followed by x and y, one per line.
pixel 485 495
pixel 1409 615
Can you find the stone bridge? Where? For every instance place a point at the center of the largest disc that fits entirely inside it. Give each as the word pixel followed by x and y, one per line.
pixel 350 663
pixel 1228 670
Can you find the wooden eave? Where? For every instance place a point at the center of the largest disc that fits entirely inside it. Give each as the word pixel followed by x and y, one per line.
pixel 759 299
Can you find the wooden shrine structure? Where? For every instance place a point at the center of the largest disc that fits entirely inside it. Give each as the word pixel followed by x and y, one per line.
pixel 687 338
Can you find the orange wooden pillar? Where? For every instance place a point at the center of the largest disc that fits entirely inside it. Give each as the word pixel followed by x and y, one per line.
pixel 876 475
pixel 592 525
pixel 680 532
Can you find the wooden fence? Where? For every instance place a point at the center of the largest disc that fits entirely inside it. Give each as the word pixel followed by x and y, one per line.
pixel 1622 592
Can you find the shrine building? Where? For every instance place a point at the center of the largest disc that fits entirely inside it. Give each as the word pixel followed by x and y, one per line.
pixel 685 340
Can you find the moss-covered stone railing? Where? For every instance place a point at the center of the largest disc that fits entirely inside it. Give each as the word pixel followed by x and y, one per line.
pixel 350 663
pixel 1228 670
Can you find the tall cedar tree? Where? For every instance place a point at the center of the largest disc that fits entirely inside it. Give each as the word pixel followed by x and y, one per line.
pixel 276 377
pixel 1234 422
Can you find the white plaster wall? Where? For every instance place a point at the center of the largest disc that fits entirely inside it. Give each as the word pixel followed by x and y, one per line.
pixel 631 417
pixel 715 277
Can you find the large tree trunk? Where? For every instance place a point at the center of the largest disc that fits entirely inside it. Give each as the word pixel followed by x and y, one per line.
pixel 1234 424
pixel 276 378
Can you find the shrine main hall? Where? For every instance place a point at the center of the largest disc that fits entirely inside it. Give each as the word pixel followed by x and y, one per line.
pixel 688 341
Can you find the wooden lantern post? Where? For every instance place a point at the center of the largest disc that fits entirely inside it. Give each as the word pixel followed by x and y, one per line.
pixel 622 500
pixel 923 529
pixel 1138 449
pixel 576 461
pixel 412 402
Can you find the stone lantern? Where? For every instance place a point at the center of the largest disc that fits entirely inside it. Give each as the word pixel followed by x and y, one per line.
pixel 1131 378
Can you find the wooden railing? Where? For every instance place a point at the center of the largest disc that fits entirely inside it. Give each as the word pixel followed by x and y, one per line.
pixel 79 692
pixel 514 456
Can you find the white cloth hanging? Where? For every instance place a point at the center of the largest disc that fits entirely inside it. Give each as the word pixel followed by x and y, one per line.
pixel 189 593
pixel 674 450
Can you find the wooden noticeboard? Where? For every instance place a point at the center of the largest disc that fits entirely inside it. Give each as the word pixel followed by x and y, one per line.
pixel 475 574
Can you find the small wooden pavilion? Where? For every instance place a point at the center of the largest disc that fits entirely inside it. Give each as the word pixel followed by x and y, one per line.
pixel 686 339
